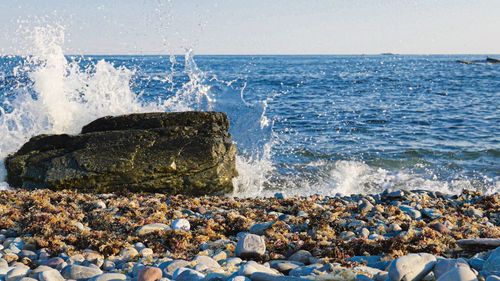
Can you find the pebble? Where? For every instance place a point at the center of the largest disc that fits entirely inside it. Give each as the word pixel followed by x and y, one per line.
pixel 251 267
pixel 181 224
pixel 260 228
pixel 50 275
pixel 128 253
pixel 301 256
pixel 186 274
pixel 445 265
pixel 110 277
pixel 80 272
pixel 149 274
pixel 411 267
pixel 250 246
pixel 458 273
pixel 16 273
pixel 150 228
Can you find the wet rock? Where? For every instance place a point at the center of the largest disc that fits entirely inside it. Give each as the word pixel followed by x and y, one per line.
pixel 250 246
pixel 182 152
pixel 411 267
pixel 153 227
pixel 78 272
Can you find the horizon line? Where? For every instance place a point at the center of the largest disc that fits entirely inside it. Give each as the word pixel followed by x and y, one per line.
pixel 273 54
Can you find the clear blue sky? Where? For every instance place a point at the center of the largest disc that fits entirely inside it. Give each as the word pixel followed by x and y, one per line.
pixel 259 26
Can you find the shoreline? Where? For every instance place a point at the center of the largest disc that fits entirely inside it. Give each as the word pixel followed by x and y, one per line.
pixel 118 228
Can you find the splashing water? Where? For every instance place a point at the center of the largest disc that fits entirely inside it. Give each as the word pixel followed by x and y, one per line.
pixel 63 97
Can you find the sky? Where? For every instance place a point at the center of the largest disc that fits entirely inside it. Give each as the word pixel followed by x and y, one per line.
pixel 257 26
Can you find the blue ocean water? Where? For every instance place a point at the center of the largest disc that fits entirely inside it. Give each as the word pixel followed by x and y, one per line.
pixel 303 124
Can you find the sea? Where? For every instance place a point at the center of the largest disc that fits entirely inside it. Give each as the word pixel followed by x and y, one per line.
pixel 309 124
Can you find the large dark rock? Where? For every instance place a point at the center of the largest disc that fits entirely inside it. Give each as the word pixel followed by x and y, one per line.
pixel 185 152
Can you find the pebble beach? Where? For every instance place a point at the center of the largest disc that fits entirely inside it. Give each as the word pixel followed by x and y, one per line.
pixel 399 235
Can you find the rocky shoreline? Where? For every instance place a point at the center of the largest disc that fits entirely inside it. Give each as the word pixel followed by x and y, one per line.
pixel 48 235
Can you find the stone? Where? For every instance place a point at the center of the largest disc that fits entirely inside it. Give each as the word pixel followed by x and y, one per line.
pixel 146 252
pixel 479 244
pixel 472 212
pixel 177 153
pixel 181 224
pixel 431 213
pixel 50 275
pixel 492 264
pixel 250 246
pixel 410 211
pixel 260 228
pixel 445 265
pixel 239 278
pixel 28 254
pixel 110 277
pixel 128 253
pixel 206 261
pixel 493 278
pixel 188 275
pixel 440 227
pixel 152 227
pixel 304 270
pixel 251 267
pixel 301 256
pixel 170 267
pixel 284 266
pixel 78 272
pixel 149 273
pixel 262 276
pixel 411 267
pixel 16 273
pixel 476 263
pixel 458 273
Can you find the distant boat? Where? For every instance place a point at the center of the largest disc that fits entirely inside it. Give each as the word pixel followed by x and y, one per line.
pixel 387 54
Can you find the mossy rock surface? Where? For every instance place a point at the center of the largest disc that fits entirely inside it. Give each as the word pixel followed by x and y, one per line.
pixel 176 153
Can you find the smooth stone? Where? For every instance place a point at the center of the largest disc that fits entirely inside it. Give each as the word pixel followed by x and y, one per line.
pixel 150 274
pixel 150 228
pixel 128 253
pixel 54 262
pixel 261 276
pixel 284 266
pixel 110 277
pixel 187 274
pixel 411 267
pixel 170 267
pixel 78 272
pixel 3 263
pixel 365 232
pixel 440 227
pixel 50 275
pixel 28 254
pixel 301 256
pixel 251 267
pixel 279 196
pixel 16 273
pixel 445 265
pixel 250 246
pixel 181 224
pixel 28 279
pixel 459 273
pixel 304 270
pixel 478 244
pixel 108 265
pixel 139 246
pixel 260 228
pixel 208 262
pixel 492 264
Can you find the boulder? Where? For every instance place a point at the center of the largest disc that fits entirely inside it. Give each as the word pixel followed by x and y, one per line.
pixel 177 153
pixel 411 267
